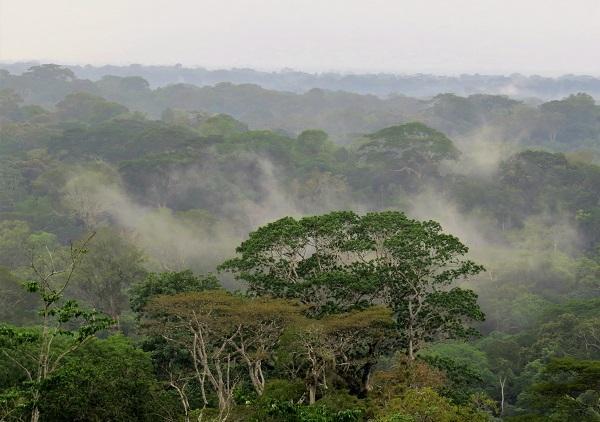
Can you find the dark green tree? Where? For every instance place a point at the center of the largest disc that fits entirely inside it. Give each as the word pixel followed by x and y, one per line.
pixel 86 107
pixel 169 283
pixel 106 380
pixel 342 261
pixel 567 390
pixel 111 267
pixel 406 154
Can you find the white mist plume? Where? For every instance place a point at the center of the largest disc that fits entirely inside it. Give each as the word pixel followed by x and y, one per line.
pixel 195 239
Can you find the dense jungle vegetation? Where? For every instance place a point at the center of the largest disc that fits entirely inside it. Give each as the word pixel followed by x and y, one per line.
pixel 235 253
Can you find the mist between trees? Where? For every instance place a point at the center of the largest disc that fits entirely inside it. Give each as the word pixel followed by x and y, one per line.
pixel 127 226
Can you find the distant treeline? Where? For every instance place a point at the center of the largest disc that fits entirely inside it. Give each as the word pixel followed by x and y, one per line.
pixel 563 125
pixel 381 84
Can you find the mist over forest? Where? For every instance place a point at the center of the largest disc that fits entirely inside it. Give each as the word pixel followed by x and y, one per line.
pixel 243 245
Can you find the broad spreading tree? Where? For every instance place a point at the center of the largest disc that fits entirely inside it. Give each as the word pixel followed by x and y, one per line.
pixel 341 261
pixel 225 337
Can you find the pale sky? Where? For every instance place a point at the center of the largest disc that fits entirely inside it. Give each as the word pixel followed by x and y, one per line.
pixel 547 37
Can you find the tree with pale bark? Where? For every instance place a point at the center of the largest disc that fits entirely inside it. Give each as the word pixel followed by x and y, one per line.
pixel 225 337
pixel 346 345
pixel 64 326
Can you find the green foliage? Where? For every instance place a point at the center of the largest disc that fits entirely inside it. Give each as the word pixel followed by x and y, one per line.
pixel 221 125
pixel 415 141
pixel 104 380
pixel 65 327
pixel 341 261
pixel 111 266
pixel 464 380
pixel 423 405
pixel 186 188
pixel 282 390
pixel 407 153
pixel 287 411
pixel 13 185
pixel 17 306
pixel 567 390
pixel 88 108
pixel 169 283
pixel 18 243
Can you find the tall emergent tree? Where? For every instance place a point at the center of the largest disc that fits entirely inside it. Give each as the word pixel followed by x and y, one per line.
pixel 341 261
pixel 405 155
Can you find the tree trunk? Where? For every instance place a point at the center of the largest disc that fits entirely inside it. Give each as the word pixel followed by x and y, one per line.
pixel 312 389
pixel 182 398
pixel 42 365
pixel 35 414
pixel 312 394
pixel 224 405
pixel 366 379
pixel 411 332
pixel 502 383
pixel 255 371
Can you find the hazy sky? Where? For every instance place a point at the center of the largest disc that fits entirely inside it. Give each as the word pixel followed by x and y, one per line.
pixel 431 36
